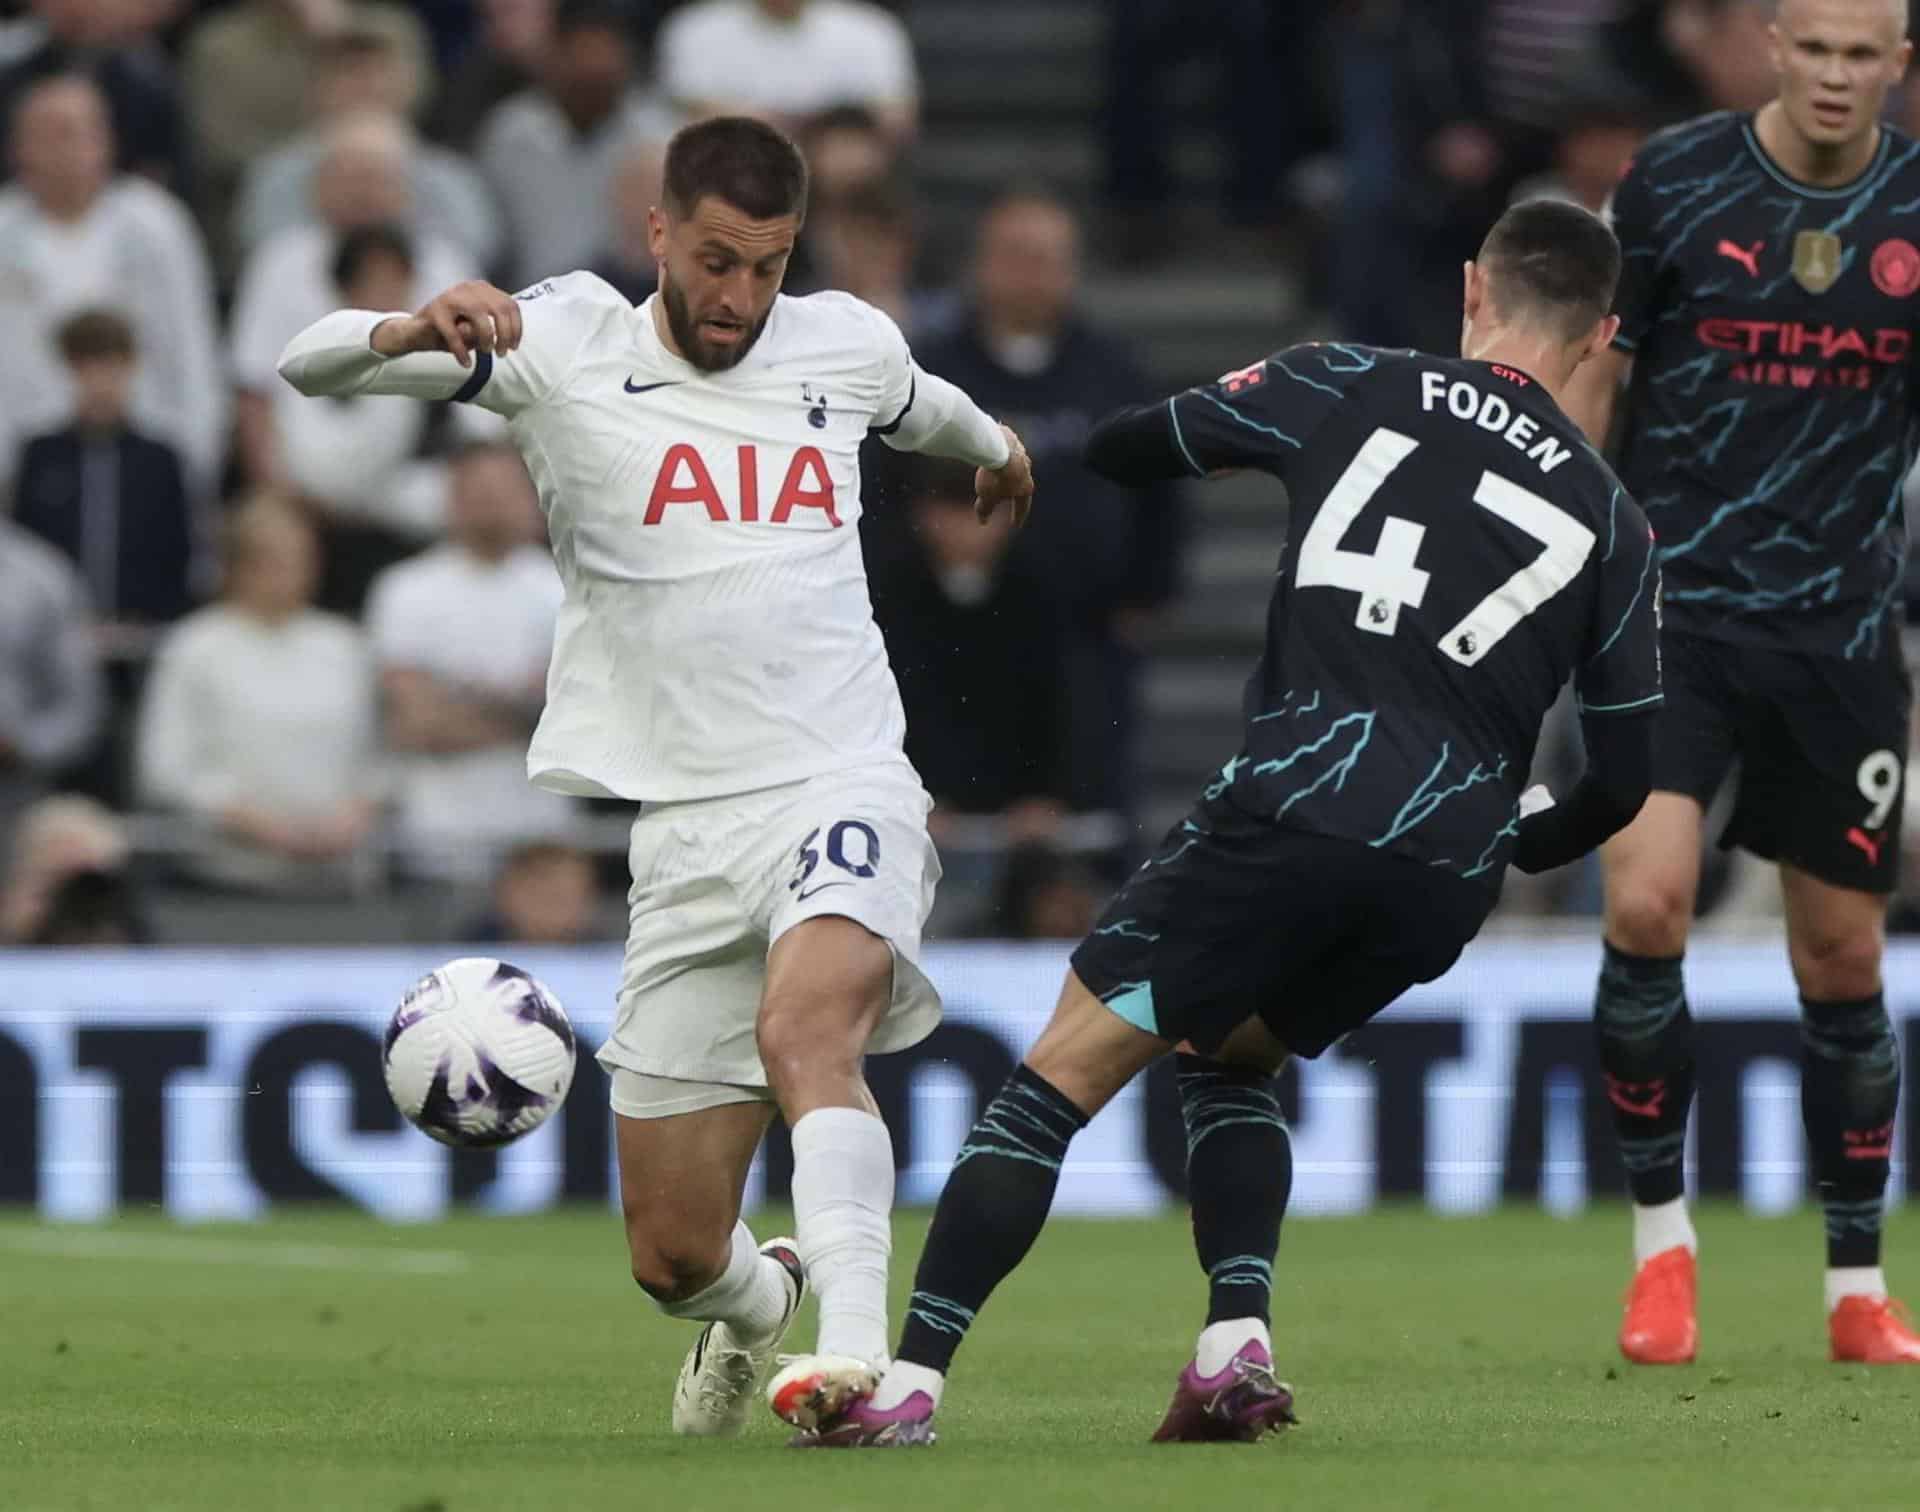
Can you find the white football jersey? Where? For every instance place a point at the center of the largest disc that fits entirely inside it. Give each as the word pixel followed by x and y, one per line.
pixel 717 635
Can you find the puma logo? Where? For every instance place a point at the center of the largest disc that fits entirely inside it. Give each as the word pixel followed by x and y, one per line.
pixel 1640 1099
pixel 1866 842
pixel 1748 258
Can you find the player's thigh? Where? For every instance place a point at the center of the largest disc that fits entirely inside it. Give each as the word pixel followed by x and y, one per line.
pixel 1652 872
pixel 1408 926
pixel 829 983
pixel 682 1174
pixel 1836 937
pixel 1186 950
pixel 1088 1051
pixel 842 882
pixel 1825 768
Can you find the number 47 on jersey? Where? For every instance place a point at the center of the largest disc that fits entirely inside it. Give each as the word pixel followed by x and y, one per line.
pixel 1388 579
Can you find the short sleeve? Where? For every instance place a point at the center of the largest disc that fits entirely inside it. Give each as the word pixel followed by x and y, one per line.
pixel 1630 213
pixel 559 318
pixel 1620 673
pixel 898 375
pixel 1262 416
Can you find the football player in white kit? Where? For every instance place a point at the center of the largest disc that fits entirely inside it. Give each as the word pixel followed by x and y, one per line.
pixel 717 662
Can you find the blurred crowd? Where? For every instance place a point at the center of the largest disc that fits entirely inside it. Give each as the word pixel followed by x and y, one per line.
pixel 257 645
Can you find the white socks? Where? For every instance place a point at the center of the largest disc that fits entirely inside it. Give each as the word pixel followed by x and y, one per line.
pixel 1854 1281
pixel 842 1200
pixel 1662 1227
pixel 750 1297
pixel 1220 1342
pixel 903 1379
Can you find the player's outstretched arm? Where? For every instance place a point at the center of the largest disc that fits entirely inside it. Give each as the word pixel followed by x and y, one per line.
pixel 1618 777
pixel 434 353
pixel 939 420
pixel 1137 445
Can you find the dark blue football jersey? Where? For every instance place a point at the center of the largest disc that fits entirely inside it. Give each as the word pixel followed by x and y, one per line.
pixel 1771 416
pixel 1456 552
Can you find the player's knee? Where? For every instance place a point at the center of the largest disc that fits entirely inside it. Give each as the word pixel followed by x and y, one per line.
pixel 1837 965
pixel 670 1265
pixel 1648 916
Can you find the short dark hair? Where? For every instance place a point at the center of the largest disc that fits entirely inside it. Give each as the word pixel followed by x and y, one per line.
pixel 1552 259
pixel 91 335
pixel 365 242
pixel 754 167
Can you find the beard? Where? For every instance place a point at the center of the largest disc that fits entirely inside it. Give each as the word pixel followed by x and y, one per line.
pixel 695 347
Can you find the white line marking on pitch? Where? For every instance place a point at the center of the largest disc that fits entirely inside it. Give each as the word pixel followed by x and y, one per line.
pixel 81 1244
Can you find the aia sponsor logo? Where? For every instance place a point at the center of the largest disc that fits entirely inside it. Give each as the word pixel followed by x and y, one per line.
pixel 684 479
pixel 1896 267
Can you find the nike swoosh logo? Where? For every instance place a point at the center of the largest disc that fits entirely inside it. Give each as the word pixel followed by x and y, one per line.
pixel 647 388
pixel 820 889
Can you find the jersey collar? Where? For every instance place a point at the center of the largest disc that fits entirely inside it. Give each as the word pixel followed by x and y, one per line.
pixel 1813 191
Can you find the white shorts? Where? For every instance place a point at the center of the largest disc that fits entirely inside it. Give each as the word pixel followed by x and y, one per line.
pixel 716 881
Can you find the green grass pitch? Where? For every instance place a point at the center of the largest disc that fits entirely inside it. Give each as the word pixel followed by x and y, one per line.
pixel 326 1361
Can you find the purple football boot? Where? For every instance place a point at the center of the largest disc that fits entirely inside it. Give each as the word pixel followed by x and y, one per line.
pixel 1236 1406
pixel 861 1425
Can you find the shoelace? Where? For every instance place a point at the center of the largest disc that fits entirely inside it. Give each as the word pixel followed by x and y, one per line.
pixel 1247 1373
pixel 730 1372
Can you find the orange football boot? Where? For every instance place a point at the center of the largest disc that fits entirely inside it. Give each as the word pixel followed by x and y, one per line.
pixel 1662 1325
pixel 1873 1331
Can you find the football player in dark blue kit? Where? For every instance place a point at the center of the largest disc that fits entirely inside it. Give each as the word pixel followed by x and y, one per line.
pixel 1456 554
pixel 1766 353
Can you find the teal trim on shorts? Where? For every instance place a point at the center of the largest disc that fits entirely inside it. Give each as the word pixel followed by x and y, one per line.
pixel 1135 1005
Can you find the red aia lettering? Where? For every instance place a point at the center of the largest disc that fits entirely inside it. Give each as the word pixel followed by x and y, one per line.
pixel 795 492
pixel 698 490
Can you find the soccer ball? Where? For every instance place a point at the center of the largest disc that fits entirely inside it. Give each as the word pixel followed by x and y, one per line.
pixel 478 1054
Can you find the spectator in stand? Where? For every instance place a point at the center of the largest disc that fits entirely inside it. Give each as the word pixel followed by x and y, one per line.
pixel 546 893
pixel 111 500
pixel 462 634
pixel 975 642
pixel 504 58
pixel 1589 158
pixel 627 262
pixel 56 840
pixel 294 279
pixel 248 68
pixel 865 242
pixel 550 152
pixel 1111 554
pixel 848 150
pixel 50 695
pixel 365 466
pixel 789 60
pixel 364 71
pixel 1424 172
pixel 259 721
pixel 114 503
pixel 1046 894
pixel 90 38
pixel 1263 53
pixel 74 236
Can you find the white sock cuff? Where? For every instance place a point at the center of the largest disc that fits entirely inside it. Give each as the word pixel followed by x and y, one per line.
pixel 1854 1281
pixel 1220 1342
pixel 1661 1227
pixel 718 1300
pixel 903 1379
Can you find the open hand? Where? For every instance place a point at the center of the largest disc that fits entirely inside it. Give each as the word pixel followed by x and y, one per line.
pixel 1012 482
